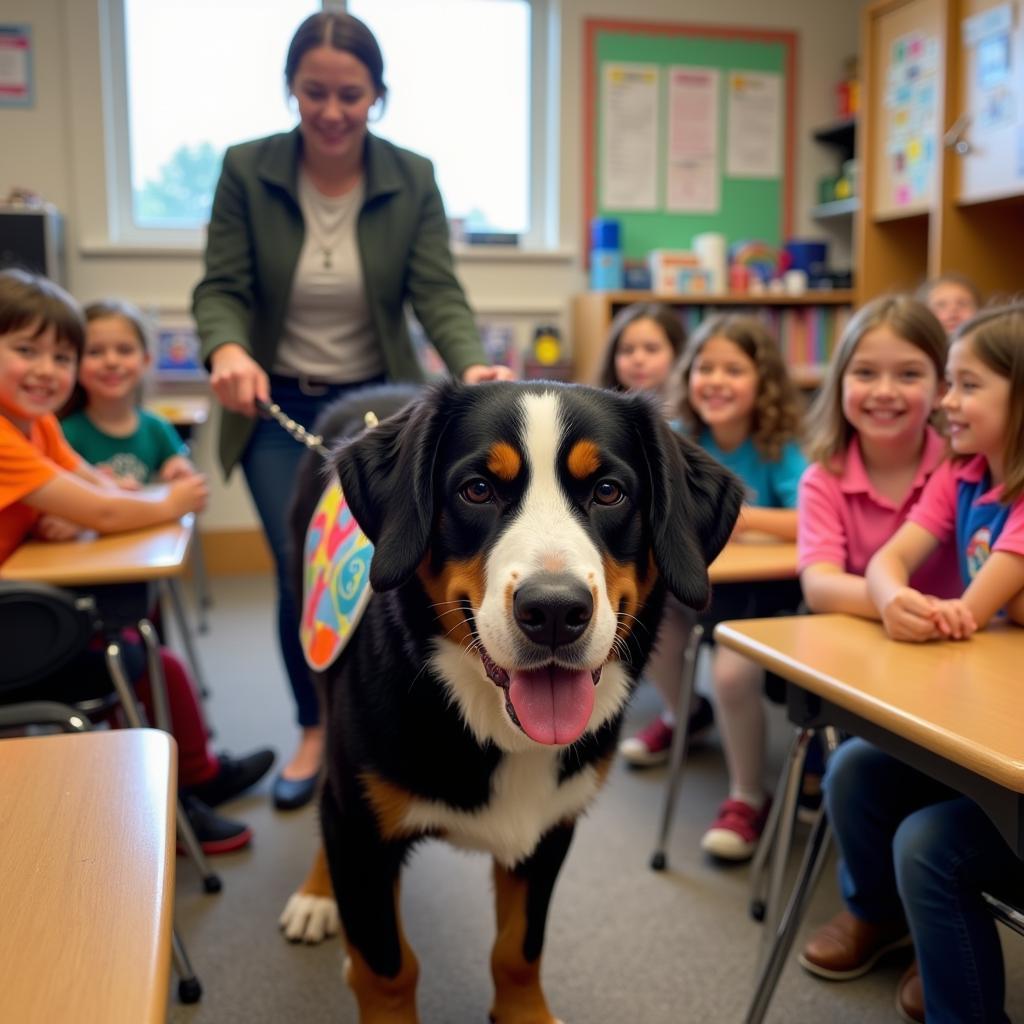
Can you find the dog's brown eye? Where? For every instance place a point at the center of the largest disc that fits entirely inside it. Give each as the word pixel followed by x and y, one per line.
pixel 607 492
pixel 477 492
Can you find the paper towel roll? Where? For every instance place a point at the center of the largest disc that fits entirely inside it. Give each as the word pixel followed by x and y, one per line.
pixel 711 251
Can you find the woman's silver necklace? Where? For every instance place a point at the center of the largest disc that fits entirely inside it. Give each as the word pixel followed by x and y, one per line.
pixel 327 235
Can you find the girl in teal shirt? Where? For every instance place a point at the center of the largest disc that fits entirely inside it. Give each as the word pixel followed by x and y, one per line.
pixel 107 427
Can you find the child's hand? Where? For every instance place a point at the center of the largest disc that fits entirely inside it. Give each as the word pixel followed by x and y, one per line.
pixel 953 619
pixel 122 483
pixel 909 616
pixel 54 528
pixel 177 467
pixel 189 494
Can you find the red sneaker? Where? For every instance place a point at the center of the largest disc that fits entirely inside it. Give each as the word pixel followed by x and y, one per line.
pixel 734 834
pixel 650 746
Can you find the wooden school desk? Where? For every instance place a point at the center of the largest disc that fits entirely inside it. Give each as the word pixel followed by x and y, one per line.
pixel 87 868
pixel 754 561
pixel 952 709
pixel 183 411
pixel 153 555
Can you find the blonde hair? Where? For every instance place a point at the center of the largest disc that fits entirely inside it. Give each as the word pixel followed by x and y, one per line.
pixel 924 292
pixel 776 418
pixel 664 317
pixel 996 337
pixel 828 429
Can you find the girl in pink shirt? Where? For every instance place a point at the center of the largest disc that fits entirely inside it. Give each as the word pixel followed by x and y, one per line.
pixel 873 449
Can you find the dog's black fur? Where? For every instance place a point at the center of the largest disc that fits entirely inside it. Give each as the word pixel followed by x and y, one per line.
pixel 410 753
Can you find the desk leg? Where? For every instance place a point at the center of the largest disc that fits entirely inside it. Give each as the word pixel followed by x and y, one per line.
pixel 115 666
pixel 815 856
pixel 189 988
pixel 202 584
pixel 680 739
pixel 786 795
pixel 211 881
pixel 161 708
pixel 172 588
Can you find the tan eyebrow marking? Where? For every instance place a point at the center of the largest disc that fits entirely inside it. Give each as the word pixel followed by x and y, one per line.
pixel 584 459
pixel 504 461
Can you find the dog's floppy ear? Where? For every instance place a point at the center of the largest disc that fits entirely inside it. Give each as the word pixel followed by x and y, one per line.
pixel 695 502
pixel 387 476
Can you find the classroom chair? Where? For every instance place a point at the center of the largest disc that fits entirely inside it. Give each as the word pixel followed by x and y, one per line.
pixel 42 630
pixel 677 761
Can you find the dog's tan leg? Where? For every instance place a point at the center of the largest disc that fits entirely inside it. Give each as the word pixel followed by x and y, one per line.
pixel 311 913
pixel 518 998
pixel 385 1000
pixel 521 898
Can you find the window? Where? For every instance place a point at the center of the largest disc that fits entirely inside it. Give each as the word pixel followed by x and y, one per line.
pixel 195 76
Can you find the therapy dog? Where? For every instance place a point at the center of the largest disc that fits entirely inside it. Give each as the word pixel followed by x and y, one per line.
pixel 525 536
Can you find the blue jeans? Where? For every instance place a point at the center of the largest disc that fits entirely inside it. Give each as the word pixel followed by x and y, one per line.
pixel 912 847
pixel 270 462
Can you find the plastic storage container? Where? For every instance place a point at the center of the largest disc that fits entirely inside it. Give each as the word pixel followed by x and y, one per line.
pixel 605 254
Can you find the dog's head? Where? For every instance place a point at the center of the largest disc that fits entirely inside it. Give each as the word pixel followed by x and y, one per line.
pixel 544 523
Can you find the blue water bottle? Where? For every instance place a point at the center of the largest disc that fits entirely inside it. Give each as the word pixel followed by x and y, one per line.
pixel 605 255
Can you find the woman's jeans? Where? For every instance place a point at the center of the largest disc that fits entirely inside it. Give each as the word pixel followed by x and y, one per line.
pixel 913 847
pixel 270 463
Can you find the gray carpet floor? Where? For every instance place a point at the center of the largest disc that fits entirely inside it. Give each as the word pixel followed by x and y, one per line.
pixel 623 943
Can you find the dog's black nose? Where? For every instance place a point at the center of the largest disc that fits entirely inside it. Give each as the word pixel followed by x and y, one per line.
pixel 552 610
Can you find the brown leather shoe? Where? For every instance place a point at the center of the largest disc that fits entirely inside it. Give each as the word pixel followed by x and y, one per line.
pixel 847 947
pixel 910 996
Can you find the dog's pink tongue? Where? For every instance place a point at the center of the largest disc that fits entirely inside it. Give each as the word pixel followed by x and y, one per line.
pixel 553 704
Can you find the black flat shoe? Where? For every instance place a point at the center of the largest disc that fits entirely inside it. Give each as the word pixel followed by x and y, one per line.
pixel 291 794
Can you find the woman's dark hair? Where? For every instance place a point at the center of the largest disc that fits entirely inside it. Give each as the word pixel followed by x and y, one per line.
pixel 31 300
pixel 662 315
pixel 341 32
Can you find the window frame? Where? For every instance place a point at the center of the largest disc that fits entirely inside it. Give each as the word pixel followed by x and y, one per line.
pixel 123 232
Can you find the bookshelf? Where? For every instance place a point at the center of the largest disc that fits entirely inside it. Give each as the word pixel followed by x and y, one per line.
pixel 807 325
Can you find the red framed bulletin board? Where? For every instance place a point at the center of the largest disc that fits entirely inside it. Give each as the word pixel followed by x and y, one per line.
pixel 761 209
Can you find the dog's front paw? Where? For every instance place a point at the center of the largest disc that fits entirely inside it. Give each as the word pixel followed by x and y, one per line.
pixel 308 918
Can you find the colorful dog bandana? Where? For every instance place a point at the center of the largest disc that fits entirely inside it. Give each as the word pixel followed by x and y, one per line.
pixel 336 579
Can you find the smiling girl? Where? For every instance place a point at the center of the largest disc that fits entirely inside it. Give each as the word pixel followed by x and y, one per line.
pixel 644 341
pixel 917 854
pixel 109 429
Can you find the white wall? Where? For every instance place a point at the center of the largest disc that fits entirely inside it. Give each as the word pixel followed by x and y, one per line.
pixel 56 148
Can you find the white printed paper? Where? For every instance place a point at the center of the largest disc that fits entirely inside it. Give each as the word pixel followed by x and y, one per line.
pixel 629 136
pixel 754 125
pixel 692 175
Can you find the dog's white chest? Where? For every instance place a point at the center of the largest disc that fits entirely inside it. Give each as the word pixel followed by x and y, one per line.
pixel 526 801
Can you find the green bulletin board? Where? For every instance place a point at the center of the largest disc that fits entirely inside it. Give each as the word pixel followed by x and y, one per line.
pixel 749 208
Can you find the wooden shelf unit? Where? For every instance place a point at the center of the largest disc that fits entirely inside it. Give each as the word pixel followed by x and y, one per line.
pixel 970 217
pixel 808 325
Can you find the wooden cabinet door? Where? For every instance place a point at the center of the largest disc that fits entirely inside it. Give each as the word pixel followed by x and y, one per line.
pixel 907 46
pixel 991 101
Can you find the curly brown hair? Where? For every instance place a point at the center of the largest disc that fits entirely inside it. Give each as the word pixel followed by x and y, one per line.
pixel 777 418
